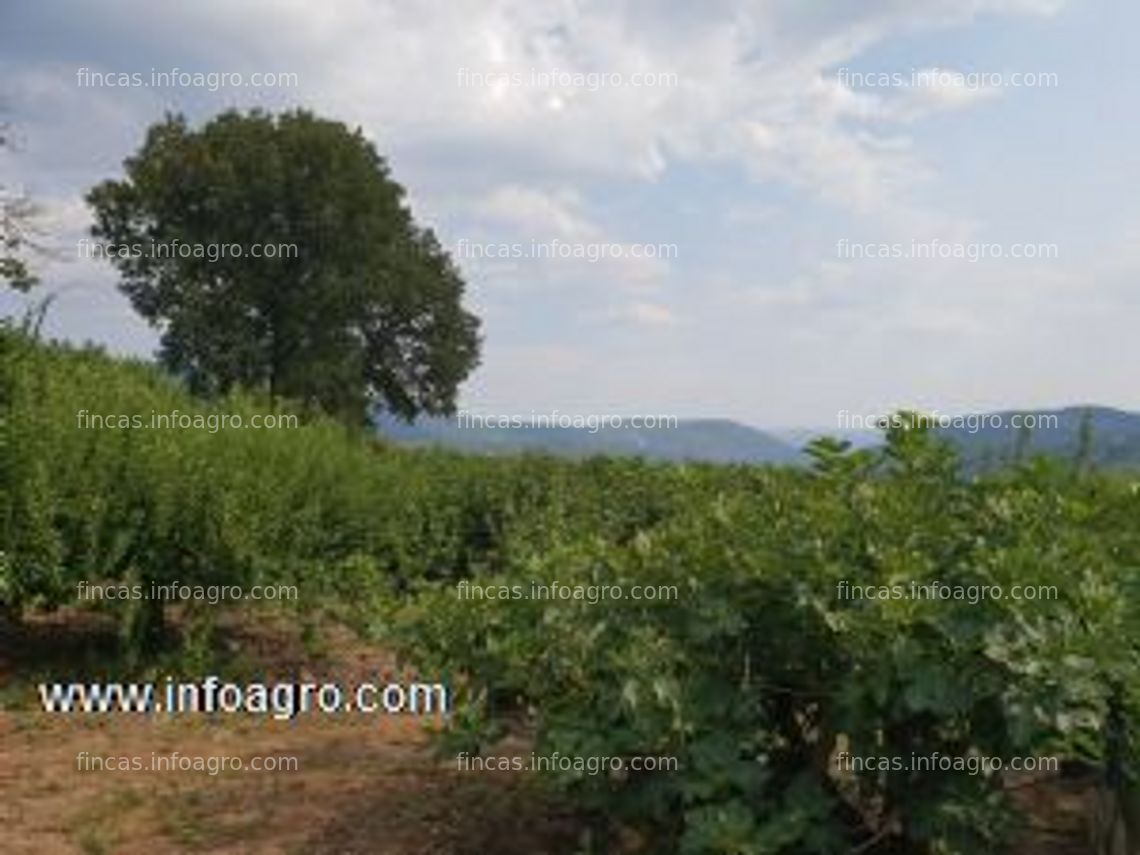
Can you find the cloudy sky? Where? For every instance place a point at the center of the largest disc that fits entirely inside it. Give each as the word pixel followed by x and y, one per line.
pixel 766 144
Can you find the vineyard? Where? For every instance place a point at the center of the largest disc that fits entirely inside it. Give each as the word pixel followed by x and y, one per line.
pixel 756 675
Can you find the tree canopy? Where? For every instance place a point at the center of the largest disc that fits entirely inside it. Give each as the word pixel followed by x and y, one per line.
pixel 276 252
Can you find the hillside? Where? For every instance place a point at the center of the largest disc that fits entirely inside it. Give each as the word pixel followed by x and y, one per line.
pixel 708 440
pixel 1114 439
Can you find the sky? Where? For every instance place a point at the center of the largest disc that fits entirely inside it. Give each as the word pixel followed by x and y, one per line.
pixel 778 151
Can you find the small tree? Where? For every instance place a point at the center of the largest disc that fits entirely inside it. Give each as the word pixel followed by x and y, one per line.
pixel 355 306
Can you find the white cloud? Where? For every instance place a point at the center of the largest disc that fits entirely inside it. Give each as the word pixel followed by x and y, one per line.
pixel 550 235
pixel 756 110
pixel 748 77
pixel 557 214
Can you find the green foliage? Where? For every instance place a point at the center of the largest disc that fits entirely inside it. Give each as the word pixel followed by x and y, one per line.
pixel 755 676
pixel 368 309
pixel 759 674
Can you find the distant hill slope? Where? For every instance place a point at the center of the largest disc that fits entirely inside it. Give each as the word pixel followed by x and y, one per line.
pixel 1115 439
pixel 1115 436
pixel 711 440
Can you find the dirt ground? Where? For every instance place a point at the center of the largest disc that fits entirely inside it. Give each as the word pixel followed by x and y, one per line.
pixel 359 787
pixel 362 785
pixel 355 791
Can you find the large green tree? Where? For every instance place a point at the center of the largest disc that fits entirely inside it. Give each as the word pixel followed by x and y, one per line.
pixel 366 311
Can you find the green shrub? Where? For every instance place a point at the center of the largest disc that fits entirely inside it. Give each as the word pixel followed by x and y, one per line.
pixel 754 677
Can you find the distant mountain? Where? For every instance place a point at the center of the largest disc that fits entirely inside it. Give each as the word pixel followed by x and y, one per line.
pixel 1114 436
pixel 709 440
pixel 983 444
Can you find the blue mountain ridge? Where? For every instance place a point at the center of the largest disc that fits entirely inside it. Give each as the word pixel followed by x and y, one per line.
pixel 1115 438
